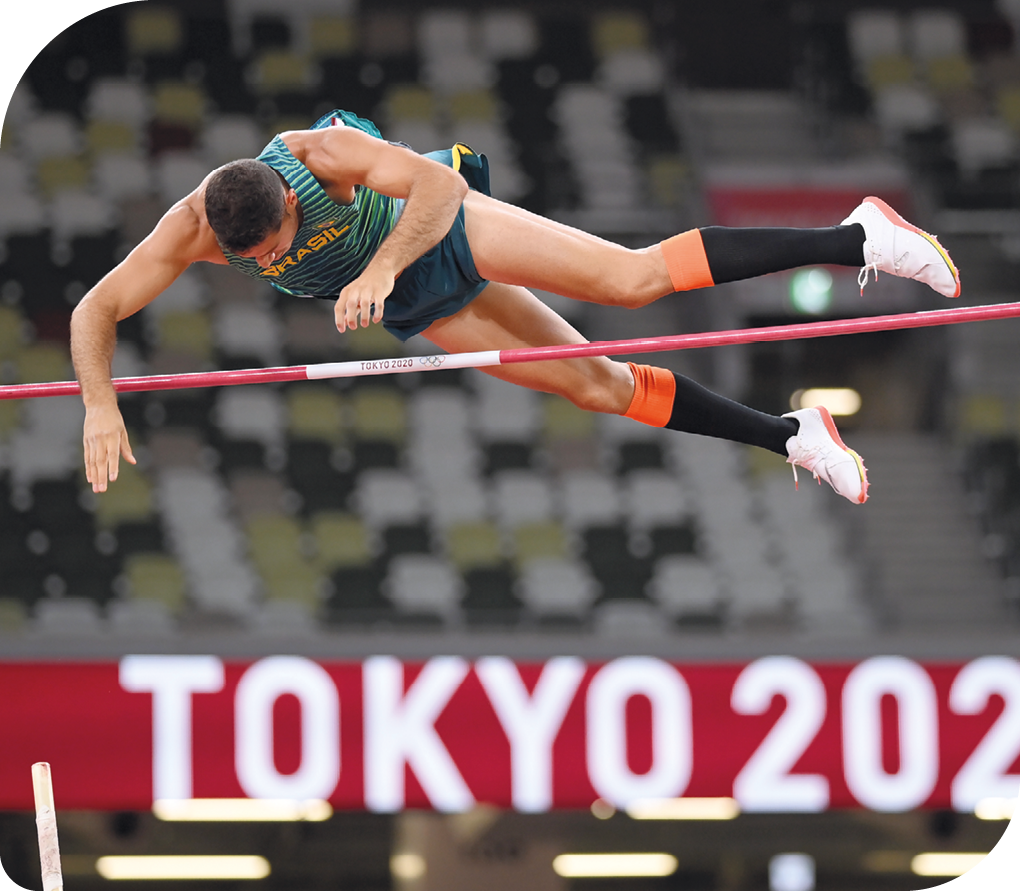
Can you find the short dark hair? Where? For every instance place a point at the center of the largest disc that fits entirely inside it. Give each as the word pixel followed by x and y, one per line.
pixel 244 203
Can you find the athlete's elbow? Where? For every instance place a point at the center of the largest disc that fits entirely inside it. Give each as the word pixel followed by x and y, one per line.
pixel 459 185
pixel 98 305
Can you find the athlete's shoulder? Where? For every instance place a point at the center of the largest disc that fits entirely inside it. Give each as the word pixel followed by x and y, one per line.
pixel 184 231
pixel 307 145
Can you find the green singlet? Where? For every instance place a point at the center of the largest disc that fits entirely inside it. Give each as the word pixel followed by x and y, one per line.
pixel 335 242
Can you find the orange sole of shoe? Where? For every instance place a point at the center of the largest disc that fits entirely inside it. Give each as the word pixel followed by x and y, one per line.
pixel 830 425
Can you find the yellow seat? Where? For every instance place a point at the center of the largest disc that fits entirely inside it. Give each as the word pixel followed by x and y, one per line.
pixel 533 541
pixel 11 326
pixel 887 71
pixel 983 415
pixel 379 413
pixel 1007 103
pixel 341 541
pixel 950 73
pixel 474 545
pixel 130 501
pixel 189 332
pixel 295 583
pixel 315 412
pixel 7 137
pixel 156 577
pixel 278 71
pixel 10 417
pixel 564 420
pixel 474 105
pixel 110 137
pixel 274 542
pixel 373 342
pixel 13 615
pixel 332 36
pixel 408 102
pixel 58 174
pixel 179 103
pixel 615 31
pixel 152 30
pixel 43 362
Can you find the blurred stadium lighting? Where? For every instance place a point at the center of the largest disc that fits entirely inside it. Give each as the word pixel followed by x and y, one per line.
pixel 841 401
pixel 995 808
pixel 811 291
pixel 684 809
pixel 408 867
pixel 582 866
pixel 241 810
pixel 150 868
pixel 944 864
pixel 792 872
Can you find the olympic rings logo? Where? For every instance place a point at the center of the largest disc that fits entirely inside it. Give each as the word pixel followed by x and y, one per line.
pixel 434 361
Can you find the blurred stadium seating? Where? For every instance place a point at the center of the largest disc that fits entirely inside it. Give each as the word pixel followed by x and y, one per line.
pixel 451 499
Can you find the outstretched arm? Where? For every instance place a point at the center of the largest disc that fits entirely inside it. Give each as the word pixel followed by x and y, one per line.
pixel 148 270
pixel 342 158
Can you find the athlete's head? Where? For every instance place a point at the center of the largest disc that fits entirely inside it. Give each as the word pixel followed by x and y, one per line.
pixel 245 202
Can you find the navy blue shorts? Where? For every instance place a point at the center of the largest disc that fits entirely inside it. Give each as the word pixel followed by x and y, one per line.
pixel 444 280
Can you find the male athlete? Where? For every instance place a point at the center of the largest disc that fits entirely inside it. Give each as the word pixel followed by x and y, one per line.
pixel 415 242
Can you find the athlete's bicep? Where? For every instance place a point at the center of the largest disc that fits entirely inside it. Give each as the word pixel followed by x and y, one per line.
pixel 150 268
pixel 350 156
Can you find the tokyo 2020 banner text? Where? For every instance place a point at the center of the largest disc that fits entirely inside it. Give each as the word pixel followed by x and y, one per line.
pixel 778 734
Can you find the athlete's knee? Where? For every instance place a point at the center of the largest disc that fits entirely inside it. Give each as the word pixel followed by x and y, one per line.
pixel 636 281
pixel 607 390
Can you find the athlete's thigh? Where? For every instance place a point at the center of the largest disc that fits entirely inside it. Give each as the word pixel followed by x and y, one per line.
pixel 518 247
pixel 504 317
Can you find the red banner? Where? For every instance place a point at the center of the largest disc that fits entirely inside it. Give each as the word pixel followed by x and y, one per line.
pixel 802 207
pixel 778 734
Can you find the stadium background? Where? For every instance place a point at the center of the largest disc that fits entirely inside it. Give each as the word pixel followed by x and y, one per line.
pixel 449 515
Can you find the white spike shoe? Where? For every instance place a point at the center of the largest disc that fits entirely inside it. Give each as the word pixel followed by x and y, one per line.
pixel 818 448
pixel 895 246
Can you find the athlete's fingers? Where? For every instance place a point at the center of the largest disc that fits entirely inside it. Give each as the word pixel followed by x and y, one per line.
pixel 342 310
pixel 87 454
pixel 352 310
pixel 125 449
pixel 365 308
pixel 99 467
pixel 338 315
pixel 112 463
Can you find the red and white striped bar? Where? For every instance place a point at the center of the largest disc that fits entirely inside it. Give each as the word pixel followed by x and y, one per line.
pixel 490 358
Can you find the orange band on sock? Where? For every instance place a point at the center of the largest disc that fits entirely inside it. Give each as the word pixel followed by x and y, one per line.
pixel 686 261
pixel 654 389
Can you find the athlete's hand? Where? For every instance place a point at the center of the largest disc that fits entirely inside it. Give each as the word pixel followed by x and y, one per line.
pixel 365 296
pixel 105 440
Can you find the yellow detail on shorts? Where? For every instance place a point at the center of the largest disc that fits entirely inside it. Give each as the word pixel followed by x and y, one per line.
pixel 458 150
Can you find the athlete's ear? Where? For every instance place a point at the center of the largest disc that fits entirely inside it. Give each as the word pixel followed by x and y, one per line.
pixel 290 199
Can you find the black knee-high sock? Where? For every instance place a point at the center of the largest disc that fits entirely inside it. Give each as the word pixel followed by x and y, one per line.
pixel 699 410
pixel 735 254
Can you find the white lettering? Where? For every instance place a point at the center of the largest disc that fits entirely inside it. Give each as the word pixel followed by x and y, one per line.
pixel 765 782
pixel 918 732
pixel 259 688
pixel 400 729
pixel 171 680
pixel 672 747
pixel 530 722
pixel 986 772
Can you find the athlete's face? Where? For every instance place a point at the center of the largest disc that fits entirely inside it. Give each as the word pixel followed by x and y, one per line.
pixel 276 244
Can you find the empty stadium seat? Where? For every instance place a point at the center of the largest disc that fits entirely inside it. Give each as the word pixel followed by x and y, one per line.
pixel 557 589
pixel 424 585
